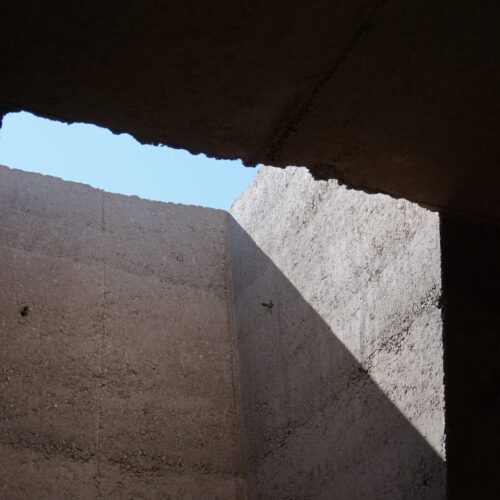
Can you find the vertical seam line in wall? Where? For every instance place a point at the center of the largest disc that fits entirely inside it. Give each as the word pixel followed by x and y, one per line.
pixel 237 402
pixel 101 352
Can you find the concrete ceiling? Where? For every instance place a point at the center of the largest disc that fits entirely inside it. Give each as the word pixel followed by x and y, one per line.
pixel 388 96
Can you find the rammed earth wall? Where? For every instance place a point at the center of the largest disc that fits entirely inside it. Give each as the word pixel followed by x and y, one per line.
pixel 291 349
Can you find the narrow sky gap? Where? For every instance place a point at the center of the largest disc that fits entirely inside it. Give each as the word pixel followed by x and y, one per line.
pixel 118 163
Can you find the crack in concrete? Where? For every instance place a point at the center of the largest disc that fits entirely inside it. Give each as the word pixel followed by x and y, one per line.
pixel 302 108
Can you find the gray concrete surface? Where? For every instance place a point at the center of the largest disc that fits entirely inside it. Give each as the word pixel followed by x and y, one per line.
pixel 116 358
pixel 342 378
pixel 340 328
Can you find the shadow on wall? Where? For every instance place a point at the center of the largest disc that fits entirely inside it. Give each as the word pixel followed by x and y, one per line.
pixel 316 425
pixel 471 277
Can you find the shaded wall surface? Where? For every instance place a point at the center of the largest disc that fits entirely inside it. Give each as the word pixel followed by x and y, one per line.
pixel 394 97
pixel 116 364
pixel 471 277
pixel 339 338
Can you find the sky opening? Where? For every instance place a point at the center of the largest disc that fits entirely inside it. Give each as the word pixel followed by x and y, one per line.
pixel 118 163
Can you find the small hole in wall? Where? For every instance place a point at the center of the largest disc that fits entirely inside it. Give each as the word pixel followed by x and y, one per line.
pixel 268 305
pixel 118 163
pixel 24 310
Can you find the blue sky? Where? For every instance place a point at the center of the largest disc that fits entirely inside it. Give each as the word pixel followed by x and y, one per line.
pixel 118 163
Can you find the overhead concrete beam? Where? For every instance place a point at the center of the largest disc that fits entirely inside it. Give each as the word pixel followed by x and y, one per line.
pixel 393 97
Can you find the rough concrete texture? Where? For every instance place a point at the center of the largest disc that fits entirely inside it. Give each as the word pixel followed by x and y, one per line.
pixel 339 338
pixel 396 97
pixel 116 365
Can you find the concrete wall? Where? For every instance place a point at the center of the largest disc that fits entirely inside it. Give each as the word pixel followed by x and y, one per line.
pixel 471 274
pixel 118 375
pixel 116 364
pixel 339 338
pixel 396 97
